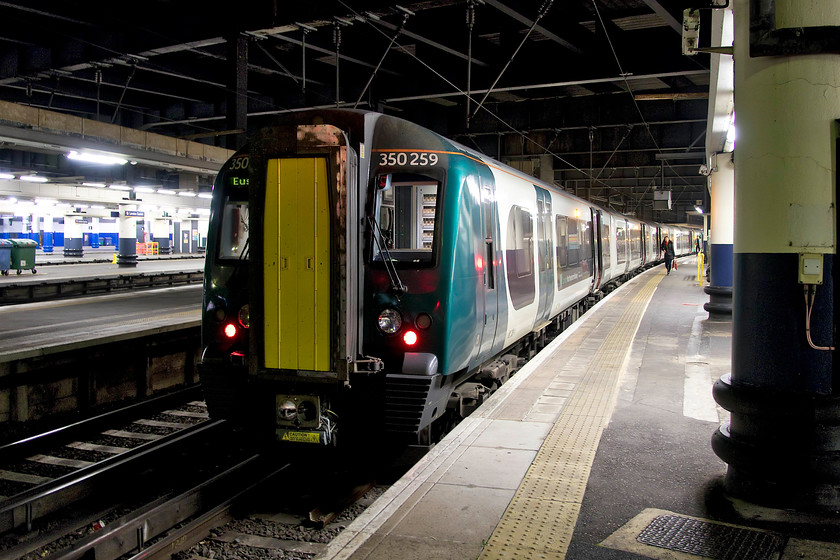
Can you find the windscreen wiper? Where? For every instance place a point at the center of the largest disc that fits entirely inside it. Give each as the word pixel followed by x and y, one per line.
pixel 379 239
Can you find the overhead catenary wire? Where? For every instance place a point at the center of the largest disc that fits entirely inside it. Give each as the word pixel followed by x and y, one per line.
pixel 382 59
pixel 624 75
pixel 484 108
pixel 543 10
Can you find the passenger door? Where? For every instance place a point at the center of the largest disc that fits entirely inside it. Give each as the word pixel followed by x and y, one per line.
pixel 545 255
pixel 489 260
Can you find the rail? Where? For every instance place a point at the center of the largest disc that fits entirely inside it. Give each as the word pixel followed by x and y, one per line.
pixel 23 509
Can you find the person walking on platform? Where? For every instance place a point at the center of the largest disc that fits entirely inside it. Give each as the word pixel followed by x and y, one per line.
pixel 667 247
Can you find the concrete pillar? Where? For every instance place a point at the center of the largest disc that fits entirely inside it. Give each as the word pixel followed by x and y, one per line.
pixel 127 253
pixel 35 228
pixel 73 236
pixel 160 234
pixel 48 234
pixel 722 182
pixel 93 228
pixel 782 445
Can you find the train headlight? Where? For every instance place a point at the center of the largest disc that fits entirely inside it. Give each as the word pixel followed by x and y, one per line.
pixel 245 316
pixel 390 321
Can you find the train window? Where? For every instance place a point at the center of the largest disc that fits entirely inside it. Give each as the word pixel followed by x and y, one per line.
pixel 605 245
pixel 621 242
pixel 635 243
pixel 406 212
pixel 574 250
pixel 520 257
pixel 233 238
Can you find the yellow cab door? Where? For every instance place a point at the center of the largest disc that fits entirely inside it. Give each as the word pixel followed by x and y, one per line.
pixel 297 264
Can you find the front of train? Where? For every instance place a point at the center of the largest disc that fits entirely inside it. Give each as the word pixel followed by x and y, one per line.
pixel 323 280
pixel 279 326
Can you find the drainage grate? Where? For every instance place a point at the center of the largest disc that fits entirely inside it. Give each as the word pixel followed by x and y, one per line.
pixel 712 540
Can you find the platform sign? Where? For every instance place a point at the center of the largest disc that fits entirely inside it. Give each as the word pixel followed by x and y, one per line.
pixel 134 214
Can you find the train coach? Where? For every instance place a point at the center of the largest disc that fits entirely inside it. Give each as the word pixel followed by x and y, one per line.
pixel 370 278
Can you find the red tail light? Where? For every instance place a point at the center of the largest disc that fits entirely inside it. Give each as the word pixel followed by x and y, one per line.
pixel 410 338
pixel 230 330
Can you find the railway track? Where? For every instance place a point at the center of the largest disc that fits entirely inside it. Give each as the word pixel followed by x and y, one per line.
pixel 64 480
pixel 176 490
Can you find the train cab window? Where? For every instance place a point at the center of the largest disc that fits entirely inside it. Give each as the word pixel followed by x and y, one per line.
pixel 233 237
pixel 405 212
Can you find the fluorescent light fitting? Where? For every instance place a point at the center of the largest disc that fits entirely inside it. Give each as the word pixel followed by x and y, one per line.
pixel 33 178
pixel 97 185
pixel 186 193
pixel 205 195
pixel 699 210
pixel 143 189
pixel 103 159
pixel 166 191
pixel 6 176
pixel 119 187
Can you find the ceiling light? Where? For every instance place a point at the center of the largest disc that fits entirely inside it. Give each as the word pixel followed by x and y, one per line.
pixel 6 176
pixel 144 189
pixel 97 185
pixel 103 159
pixel 166 191
pixel 698 209
pixel 119 187
pixel 205 195
pixel 34 178
pixel 186 193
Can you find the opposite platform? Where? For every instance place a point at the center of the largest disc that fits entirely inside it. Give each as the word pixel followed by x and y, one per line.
pixel 601 436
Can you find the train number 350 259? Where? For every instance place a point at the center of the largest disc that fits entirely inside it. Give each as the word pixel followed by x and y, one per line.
pixel 408 158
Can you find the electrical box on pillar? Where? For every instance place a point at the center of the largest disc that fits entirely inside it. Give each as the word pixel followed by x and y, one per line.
pixel 810 268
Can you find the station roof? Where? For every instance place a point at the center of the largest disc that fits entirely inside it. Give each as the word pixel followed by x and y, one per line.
pixel 594 95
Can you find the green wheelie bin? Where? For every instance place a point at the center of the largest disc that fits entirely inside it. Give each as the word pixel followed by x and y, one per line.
pixel 23 254
pixel 5 256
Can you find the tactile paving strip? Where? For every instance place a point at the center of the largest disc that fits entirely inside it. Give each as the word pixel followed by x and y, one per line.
pixel 541 517
pixel 710 540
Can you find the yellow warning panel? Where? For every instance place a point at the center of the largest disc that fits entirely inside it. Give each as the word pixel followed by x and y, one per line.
pixel 297 264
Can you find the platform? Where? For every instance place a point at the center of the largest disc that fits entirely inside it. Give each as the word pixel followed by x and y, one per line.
pixel 598 449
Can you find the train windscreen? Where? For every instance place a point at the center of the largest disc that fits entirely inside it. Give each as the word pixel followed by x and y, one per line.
pixel 405 219
pixel 233 239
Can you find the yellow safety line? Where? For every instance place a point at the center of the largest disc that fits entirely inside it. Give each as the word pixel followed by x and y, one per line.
pixel 541 517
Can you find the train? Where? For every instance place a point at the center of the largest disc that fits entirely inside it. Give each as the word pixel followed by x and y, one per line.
pixel 369 279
